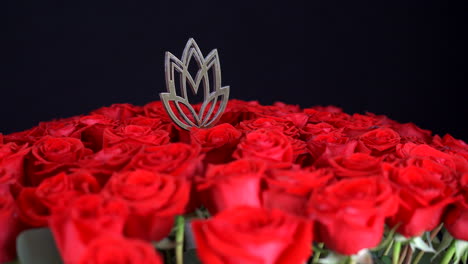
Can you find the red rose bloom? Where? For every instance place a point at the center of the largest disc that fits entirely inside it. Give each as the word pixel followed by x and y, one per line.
pixel 93 129
pixel 423 198
pixel 380 140
pixel 89 216
pixel 51 155
pixel 118 250
pixel 218 142
pixel 253 235
pixel 282 125
pixel 356 165
pixel 229 185
pixel 154 200
pixel 177 159
pixel 269 145
pixel 289 189
pixel 37 203
pixel 11 163
pixel 109 160
pixel 119 111
pixel 134 134
pixel 350 209
pixel 9 225
pixel 456 219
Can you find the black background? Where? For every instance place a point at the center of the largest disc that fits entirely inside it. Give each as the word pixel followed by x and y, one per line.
pixel 404 59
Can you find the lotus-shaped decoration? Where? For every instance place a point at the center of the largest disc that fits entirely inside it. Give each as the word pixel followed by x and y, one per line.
pixel 215 97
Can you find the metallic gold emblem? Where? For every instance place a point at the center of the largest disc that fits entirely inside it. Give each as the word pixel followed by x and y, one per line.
pixel 215 97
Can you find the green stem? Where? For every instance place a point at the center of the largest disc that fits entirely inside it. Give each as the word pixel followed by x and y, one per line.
pixel 433 235
pixel 317 254
pixel 449 254
pixel 180 224
pixel 396 252
pixel 387 250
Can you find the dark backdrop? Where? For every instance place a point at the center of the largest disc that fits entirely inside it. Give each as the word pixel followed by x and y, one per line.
pixel 404 60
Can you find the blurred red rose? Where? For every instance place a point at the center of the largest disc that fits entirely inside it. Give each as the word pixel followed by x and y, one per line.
pixel 218 142
pixel 229 185
pixel 119 111
pixel 51 155
pixel 118 250
pixel 456 218
pixel 109 160
pixel 380 140
pixel 253 235
pixel 289 189
pixel 423 198
pixel 177 159
pixel 12 163
pixel 356 165
pixel 154 200
pixel 89 216
pixel 350 209
pixel 265 144
pixel 134 134
pixel 9 224
pixel 37 203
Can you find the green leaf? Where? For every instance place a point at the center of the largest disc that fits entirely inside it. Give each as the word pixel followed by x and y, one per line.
pixel 446 241
pixel 461 247
pixel 37 246
pixel 419 243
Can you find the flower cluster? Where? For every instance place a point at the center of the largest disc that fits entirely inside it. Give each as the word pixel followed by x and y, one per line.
pixel 274 178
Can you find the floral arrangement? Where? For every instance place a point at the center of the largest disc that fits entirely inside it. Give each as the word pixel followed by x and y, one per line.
pixel 268 184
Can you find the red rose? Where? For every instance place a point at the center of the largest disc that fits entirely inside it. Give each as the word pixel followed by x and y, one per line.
pixel 109 160
pixel 89 216
pixel 412 133
pixel 356 165
pixel 154 200
pixel 289 189
pixel 310 131
pixel 229 185
pixel 456 219
pixel 380 140
pixel 253 235
pixel 51 155
pixel 350 209
pixel 156 110
pixel 37 203
pixel 9 225
pixel 218 142
pixel 177 159
pixel 12 162
pixel 451 145
pixel 238 111
pixel 119 111
pixel 423 198
pixel 322 152
pixel 282 125
pixel 28 136
pixel 269 145
pixel 118 250
pixel 93 130
pixel 134 134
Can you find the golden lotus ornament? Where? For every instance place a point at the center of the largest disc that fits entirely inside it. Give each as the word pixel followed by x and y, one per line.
pixel 215 97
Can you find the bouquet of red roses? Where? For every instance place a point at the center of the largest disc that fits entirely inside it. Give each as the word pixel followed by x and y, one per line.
pixel 268 184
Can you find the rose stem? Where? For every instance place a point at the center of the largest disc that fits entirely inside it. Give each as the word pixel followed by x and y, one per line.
pixel 387 250
pixel 317 254
pixel 403 255
pixel 449 254
pixel 179 239
pixel 409 256
pixel 433 235
pixel 396 252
